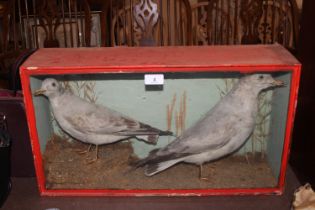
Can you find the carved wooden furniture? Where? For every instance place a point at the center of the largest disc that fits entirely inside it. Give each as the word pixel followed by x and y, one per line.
pixel 94 23
pixel 60 23
pixel 245 22
pixel 4 18
pixel 47 23
pixel 150 22
pixel 68 23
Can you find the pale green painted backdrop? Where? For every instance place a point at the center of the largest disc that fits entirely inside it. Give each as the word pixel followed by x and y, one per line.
pixel 127 94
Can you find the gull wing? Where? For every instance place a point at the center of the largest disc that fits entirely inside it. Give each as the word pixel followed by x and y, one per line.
pixel 92 118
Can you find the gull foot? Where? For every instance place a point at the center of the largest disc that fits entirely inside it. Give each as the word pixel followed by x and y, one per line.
pixel 90 160
pixel 81 152
pixel 93 160
pixel 204 179
pixel 202 176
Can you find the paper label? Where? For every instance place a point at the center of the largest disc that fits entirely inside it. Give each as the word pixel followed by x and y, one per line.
pixel 154 79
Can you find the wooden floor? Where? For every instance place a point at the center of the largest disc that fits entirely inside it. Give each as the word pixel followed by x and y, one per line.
pixel 25 196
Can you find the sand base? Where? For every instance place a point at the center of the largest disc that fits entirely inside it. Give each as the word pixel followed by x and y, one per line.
pixel 66 169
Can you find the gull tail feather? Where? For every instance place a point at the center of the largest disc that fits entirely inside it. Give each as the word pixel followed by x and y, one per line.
pixel 149 128
pixel 154 163
pixel 143 162
pixel 154 168
pixel 166 133
pixel 151 139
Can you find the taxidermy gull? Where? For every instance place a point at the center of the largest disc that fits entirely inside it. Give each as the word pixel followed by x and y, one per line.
pixel 222 131
pixel 91 123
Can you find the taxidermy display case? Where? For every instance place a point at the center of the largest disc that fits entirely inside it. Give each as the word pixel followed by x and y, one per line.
pixel 160 92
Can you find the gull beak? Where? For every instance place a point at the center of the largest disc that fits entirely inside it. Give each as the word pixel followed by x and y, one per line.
pixel 39 92
pixel 278 83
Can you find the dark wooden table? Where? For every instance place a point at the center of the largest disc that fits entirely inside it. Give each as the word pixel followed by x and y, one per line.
pixel 25 196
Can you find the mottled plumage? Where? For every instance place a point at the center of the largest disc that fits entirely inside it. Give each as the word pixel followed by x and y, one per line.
pixel 223 130
pixel 92 123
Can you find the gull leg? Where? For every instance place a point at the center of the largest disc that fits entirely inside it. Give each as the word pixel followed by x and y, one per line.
pixel 201 177
pixel 247 159
pixel 81 152
pixel 96 156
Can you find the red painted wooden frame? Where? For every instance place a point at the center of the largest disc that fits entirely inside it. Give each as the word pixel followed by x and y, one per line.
pixel 244 59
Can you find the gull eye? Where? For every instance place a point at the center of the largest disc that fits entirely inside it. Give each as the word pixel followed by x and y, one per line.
pixel 53 84
pixel 261 77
